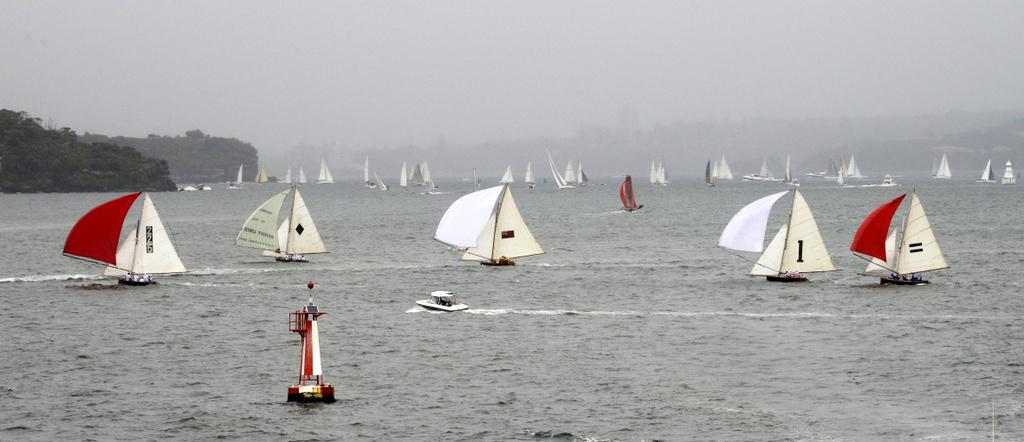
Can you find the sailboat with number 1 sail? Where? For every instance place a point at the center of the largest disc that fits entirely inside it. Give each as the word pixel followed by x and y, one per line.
pixel 627 196
pixel 488 227
pixel 918 250
pixel 290 241
pixel 796 249
pixel 146 250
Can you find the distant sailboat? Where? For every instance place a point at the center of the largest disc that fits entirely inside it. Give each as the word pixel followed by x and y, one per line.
pixel 488 226
pixel 302 176
pixel 710 174
pixel 146 250
pixel 724 172
pixel 1008 176
pixel 428 181
pixel 789 175
pixel 570 174
pixel 762 175
pixel 261 176
pixel 943 171
pixel 796 249
pixel 528 179
pixel 658 177
pixel 476 181
pixel 852 170
pixel 416 176
pixel 627 196
pixel 918 250
pixel 295 237
pixel 654 173
pixel 238 180
pixel 840 179
pixel 380 183
pixel 987 175
pixel 288 176
pixel 507 177
pixel 403 178
pixel 325 173
pixel 366 174
pixel 662 177
pixel 559 180
pixel 581 177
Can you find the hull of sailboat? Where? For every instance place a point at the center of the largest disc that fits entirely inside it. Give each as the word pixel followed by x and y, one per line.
pixel 123 281
pixel 431 305
pixel 894 281
pixel 289 258
pixel 311 393
pixel 784 278
pixel 499 262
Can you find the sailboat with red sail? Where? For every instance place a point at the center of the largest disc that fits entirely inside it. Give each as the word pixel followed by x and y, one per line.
pixel 627 196
pixel 145 251
pixel 918 250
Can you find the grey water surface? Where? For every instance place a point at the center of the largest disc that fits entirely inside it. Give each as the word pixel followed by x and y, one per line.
pixel 630 327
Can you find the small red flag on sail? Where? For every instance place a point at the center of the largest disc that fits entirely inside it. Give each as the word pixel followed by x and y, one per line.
pixel 505 234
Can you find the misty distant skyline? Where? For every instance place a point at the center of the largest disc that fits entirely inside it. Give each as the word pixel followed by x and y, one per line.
pixel 382 74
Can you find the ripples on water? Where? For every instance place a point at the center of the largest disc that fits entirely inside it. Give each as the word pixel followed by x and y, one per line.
pixel 631 327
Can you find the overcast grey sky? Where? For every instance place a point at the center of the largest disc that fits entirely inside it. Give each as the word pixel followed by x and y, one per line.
pixel 380 73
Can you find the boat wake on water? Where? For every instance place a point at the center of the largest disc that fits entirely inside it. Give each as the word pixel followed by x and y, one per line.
pixel 45 278
pixel 754 315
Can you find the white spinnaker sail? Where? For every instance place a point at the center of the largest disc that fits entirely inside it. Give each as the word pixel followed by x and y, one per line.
pixel 889 265
pixel 987 174
pixel 428 181
pixel 919 251
pixel 288 176
pixel 570 173
pixel 771 260
pixel 723 170
pixel 260 229
pixel 528 179
pixel 484 248
pixel 403 179
pixel 325 173
pixel 153 252
pixel 238 179
pixel 805 249
pixel 943 171
pixel 125 252
pixel 507 177
pixel 745 231
pixel 302 176
pixel 303 236
pixel 461 224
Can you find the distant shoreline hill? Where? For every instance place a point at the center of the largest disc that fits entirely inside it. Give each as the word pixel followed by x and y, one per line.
pixel 195 157
pixel 38 159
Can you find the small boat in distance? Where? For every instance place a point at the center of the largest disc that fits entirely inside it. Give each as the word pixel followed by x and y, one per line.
pixel 325 176
pixel 723 170
pixel 762 175
pixel 296 236
pixel 287 177
pixel 710 174
pixel 627 196
pixel 237 184
pixel 146 250
pixel 987 175
pixel 658 177
pixel 261 176
pixel 942 171
pixel 918 250
pixel 528 179
pixel 507 177
pixel 486 224
pixel 366 175
pixel 442 300
pixel 302 176
pixel 796 249
pixel 403 178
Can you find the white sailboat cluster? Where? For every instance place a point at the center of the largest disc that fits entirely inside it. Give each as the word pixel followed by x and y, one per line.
pixel 325 176
pixel 376 183
pixel 288 241
pixel 560 180
pixel 796 249
pixel 763 175
pixel 237 184
pixel 419 176
pixel 721 169
pixel 851 170
pixel 941 170
pixel 658 177
pixel 488 227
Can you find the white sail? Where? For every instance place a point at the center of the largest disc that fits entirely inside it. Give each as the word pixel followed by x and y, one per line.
pixel 877 265
pixel 852 170
pixel 745 231
pixel 919 251
pixel 662 179
pixel 570 173
pixel 654 173
pixel 764 169
pixel 943 170
pixel 507 177
pixel 325 173
pixel 505 234
pixel 366 172
pixel 416 175
pixel 1008 176
pixel 987 175
pixel 239 178
pixel 528 179
pixel 714 170
pixel 771 260
pixel 559 180
pixel 125 252
pixel 461 224
pixel 710 173
pixel 282 234
pixel 153 252
pixel 260 229
pixel 581 176
pixel 428 181
pixel 288 176
pixel 805 250
pixel 839 179
pixel 380 183
pixel 403 179
pixel 789 176
pixel 303 236
pixel 261 176
pixel 302 176
pixel 723 170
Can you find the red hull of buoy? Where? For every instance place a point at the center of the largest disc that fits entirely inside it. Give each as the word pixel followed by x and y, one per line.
pixel 311 393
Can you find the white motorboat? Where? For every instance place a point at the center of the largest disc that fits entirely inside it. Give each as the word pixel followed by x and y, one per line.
pixel 442 300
